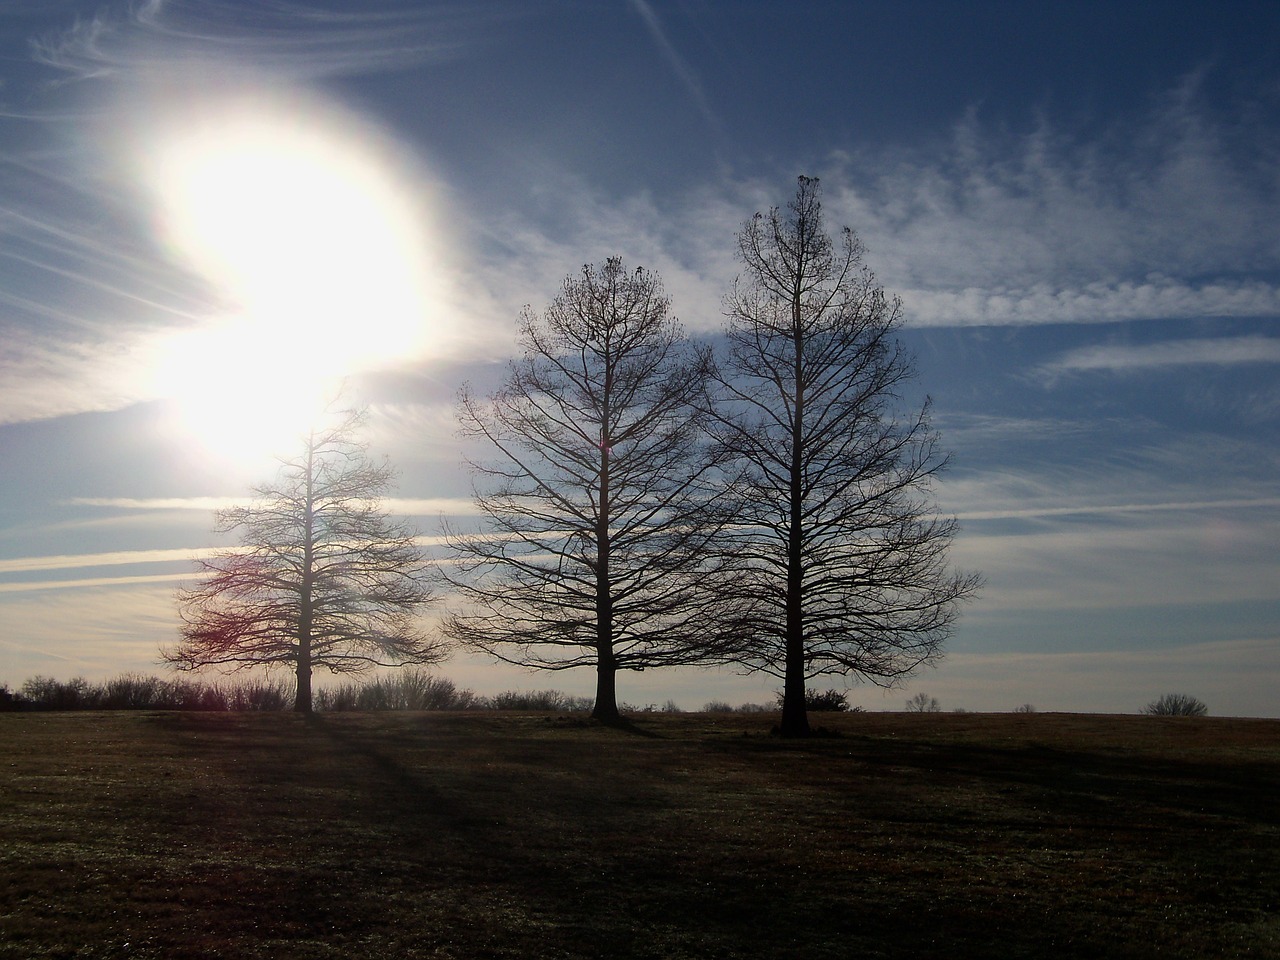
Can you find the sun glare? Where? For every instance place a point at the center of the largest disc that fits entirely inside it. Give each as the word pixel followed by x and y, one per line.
pixel 312 235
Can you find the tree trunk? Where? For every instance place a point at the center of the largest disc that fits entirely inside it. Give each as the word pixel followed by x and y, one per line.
pixel 606 708
pixel 302 701
pixel 795 718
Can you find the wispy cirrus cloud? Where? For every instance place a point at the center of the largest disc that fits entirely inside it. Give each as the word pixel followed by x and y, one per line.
pixel 985 227
pixel 83 582
pixel 1156 298
pixel 408 506
pixel 1104 509
pixel 110 559
pixel 1226 351
pixel 160 503
pixel 300 43
pixel 1168 215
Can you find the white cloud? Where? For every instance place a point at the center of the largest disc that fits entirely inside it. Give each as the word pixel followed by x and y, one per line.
pixel 1172 353
pixel 1096 509
pixel 160 503
pixel 1171 215
pixel 1165 220
pixel 1158 298
pixel 85 582
pixel 113 558
pixel 160 35
pixel 1126 560
pixel 430 506
pixel 95 631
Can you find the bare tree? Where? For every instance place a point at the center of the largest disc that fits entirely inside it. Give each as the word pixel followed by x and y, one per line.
pixel 1176 705
pixel 598 503
pixel 923 703
pixel 843 563
pixel 323 577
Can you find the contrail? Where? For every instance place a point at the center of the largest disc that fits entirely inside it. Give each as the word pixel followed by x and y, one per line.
pixel 682 69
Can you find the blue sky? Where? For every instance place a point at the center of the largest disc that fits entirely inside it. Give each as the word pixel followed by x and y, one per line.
pixel 210 210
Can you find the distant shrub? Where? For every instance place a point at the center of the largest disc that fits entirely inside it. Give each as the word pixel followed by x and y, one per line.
pixel 259 694
pixel 10 700
pixel 1025 708
pixel 831 701
pixel 408 689
pixel 1176 705
pixel 337 699
pixel 821 701
pixel 723 706
pixel 189 695
pixel 669 707
pixel 46 693
pixel 133 691
pixel 923 703
pixel 537 700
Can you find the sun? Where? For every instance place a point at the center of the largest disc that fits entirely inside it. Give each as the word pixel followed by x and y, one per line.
pixel 311 233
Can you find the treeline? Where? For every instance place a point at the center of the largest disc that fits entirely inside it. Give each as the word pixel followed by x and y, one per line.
pixel 404 690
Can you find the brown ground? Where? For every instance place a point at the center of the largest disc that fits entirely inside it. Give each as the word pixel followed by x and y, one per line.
pixel 512 836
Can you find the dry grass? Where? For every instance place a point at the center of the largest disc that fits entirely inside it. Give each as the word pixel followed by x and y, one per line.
pixel 504 836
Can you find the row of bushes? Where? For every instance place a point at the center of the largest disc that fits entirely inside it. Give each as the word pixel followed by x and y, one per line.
pixel 819 700
pixel 133 691
pixel 405 690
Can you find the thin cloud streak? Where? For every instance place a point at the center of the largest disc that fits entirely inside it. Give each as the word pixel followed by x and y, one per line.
pixel 93 582
pixel 1173 353
pixel 161 503
pixel 407 506
pixel 1121 566
pixel 1189 506
pixel 678 64
pixel 114 558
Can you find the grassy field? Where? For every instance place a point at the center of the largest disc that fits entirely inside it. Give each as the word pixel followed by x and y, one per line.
pixel 513 835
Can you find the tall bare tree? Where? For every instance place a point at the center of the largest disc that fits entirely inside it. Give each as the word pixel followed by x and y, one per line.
pixel 842 559
pixel 597 504
pixel 323 578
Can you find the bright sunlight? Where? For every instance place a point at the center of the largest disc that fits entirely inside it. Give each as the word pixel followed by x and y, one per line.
pixel 311 236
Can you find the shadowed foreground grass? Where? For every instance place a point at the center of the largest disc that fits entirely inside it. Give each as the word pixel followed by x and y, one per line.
pixel 511 836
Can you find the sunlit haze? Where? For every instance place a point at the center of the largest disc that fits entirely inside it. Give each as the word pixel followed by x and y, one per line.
pixel 317 245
